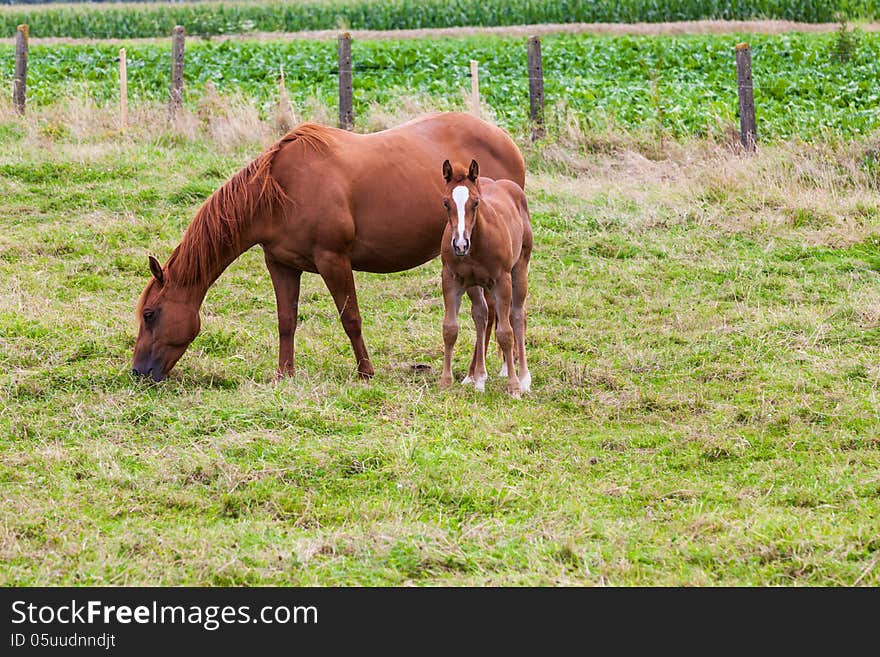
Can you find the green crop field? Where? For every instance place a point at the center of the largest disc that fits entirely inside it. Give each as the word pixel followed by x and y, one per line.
pixel 157 19
pixel 805 85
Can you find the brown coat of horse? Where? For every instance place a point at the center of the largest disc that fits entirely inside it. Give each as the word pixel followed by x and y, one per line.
pixel 320 200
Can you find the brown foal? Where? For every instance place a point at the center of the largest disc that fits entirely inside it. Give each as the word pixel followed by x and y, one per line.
pixel 487 244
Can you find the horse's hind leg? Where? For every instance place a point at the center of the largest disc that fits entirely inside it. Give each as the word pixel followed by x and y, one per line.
pixel 335 269
pixel 519 276
pixel 286 283
pixel 480 313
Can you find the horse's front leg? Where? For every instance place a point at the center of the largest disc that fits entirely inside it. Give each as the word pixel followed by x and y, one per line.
pixel 335 269
pixel 452 292
pixel 286 281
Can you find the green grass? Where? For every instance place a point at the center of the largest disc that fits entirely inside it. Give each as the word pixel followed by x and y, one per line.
pixel 679 86
pixel 703 336
pixel 157 19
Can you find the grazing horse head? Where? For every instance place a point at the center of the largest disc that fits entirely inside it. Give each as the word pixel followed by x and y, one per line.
pixel 168 310
pixel 461 200
pixel 169 321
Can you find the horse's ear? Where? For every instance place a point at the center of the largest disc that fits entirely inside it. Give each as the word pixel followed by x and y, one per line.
pixel 474 171
pixel 447 170
pixel 156 270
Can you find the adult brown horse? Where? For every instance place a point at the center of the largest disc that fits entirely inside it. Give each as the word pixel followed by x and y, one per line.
pixel 320 200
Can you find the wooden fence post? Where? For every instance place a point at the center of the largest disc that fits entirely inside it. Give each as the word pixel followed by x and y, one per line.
pixel 175 104
pixel 19 81
pixel 536 88
pixel 123 90
pixel 475 88
pixel 747 121
pixel 346 109
pixel 282 87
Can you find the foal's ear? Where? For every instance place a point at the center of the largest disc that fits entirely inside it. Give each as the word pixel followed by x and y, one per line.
pixel 447 170
pixel 156 270
pixel 474 171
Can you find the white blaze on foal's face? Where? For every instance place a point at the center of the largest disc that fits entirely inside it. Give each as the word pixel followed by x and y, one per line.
pixel 462 207
pixel 460 240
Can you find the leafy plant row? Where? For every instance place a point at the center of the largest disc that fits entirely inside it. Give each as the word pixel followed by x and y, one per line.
pixel 683 85
pixel 157 19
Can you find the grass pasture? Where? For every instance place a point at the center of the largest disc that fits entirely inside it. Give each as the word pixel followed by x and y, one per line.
pixel 703 336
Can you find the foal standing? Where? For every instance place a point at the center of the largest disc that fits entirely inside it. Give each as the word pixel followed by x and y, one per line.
pixel 487 244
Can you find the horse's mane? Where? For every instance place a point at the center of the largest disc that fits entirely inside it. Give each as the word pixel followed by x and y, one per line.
pixel 222 219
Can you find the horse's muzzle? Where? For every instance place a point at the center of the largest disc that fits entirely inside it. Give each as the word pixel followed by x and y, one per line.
pixel 154 372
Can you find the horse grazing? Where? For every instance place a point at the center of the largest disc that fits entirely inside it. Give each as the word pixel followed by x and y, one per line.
pixel 320 200
pixel 487 244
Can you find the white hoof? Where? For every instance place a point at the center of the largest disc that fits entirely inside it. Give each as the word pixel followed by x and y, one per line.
pixel 525 383
pixel 479 382
pixel 503 371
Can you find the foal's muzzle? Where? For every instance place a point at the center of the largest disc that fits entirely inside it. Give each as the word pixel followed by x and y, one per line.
pixel 461 247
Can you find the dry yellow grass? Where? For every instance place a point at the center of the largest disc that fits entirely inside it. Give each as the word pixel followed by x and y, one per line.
pixel 822 185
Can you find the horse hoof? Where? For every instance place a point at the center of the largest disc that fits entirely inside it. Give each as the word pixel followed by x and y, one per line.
pixel 466 380
pixel 525 383
pixel 503 371
pixel 516 394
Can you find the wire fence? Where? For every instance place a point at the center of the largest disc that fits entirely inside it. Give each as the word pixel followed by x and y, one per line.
pixel 364 72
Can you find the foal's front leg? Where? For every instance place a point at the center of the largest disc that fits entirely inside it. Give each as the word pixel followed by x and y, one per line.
pixel 452 292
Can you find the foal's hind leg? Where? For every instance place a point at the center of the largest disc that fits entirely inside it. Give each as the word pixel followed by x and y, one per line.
pixel 519 276
pixel 480 313
pixel 335 269
pixel 504 332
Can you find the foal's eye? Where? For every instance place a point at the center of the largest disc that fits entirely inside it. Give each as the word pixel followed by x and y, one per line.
pixel 446 203
pixel 149 315
pixel 476 203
